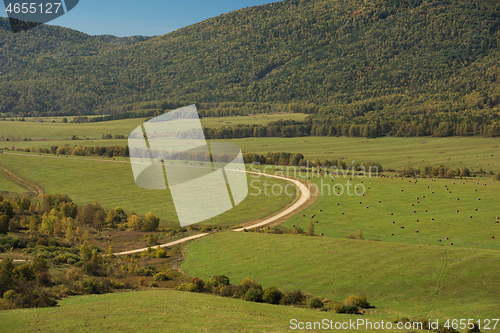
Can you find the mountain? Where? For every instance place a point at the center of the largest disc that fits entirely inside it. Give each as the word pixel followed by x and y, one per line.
pixel 351 59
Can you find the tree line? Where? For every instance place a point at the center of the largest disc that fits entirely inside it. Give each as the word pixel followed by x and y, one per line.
pixel 57 215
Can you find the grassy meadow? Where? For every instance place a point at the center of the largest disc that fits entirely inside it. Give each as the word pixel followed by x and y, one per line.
pixel 424 212
pixel 111 183
pixel 401 280
pixel 427 251
pixel 161 311
pixel 392 153
pixel 48 130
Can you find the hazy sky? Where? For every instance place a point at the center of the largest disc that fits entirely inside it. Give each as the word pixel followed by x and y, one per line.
pixel 145 17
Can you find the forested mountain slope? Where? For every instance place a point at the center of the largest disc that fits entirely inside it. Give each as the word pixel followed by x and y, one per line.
pixel 348 60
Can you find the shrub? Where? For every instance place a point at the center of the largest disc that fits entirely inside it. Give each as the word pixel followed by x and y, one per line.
pixel 220 280
pixel 24 272
pixel 191 287
pixel 357 235
pixel 361 302
pixel 141 281
pixel 92 268
pixel 162 276
pixel 272 295
pixel 147 270
pixel 65 257
pixel 96 286
pixel 227 291
pixel 44 279
pixel 9 294
pixel 253 295
pixel 315 303
pixel 200 283
pixel 153 284
pixel 349 309
pixel 293 298
pixel 161 253
pixel 247 284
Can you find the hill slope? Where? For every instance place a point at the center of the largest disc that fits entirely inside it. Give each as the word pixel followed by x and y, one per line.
pixel 347 57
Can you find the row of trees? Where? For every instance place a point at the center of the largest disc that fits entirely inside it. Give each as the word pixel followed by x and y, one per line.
pixel 250 290
pixel 488 126
pixel 119 151
pixel 57 215
pixel 436 171
pixel 297 159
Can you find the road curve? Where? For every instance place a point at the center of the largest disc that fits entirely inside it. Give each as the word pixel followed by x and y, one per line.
pixel 305 194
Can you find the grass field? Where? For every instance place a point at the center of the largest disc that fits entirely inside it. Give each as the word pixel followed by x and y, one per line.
pixel 404 280
pixel 48 130
pixel 392 153
pixel 162 311
pixel 426 206
pixel 18 130
pixel 257 119
pixel 111 183
pixel 8 188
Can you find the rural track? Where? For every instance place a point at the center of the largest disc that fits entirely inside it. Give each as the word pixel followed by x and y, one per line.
pixel 304 197
pixel 32 188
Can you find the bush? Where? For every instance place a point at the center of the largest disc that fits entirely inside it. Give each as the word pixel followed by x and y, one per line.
pixel 227 291
pixel 272 295
pixel 349 309
pixel 92 268
pixel 96 286
pixel 357 235
pixel 191 287
pixel 24 272
pixel 293 298
pixel 253 295
pixel 44 279
pixel 360 302
pixel 315 303
pixel 200 283
pixel 153 284
pixel 161 253
pixel 9 294
pixel 220 280
pixel 147 270
pixel 162 276
pixel 65 257
pixel 247 284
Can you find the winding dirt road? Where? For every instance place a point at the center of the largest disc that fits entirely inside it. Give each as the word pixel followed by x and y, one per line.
pixel 304 197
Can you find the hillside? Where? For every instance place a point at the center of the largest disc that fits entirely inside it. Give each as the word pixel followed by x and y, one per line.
pixel 355 60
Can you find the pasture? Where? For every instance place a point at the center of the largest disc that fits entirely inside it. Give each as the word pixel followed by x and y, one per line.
pixel 111 183
pixel 48 130
pixel 162 311
pixel 400 279
pixel 418 211
pixel 392 153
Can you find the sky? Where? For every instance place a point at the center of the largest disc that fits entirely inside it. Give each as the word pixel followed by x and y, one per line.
pixel 145 17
